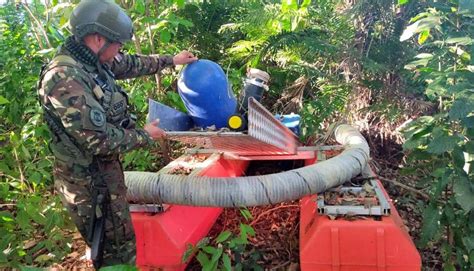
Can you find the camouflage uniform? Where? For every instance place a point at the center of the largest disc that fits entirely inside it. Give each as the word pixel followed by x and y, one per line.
pixel 91 127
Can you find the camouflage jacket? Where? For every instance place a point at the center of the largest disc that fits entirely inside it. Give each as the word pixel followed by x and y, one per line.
pixel 87 110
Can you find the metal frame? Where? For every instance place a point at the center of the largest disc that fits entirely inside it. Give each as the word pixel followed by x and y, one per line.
pixel 148 208
pixel 383 209
pixel 302 153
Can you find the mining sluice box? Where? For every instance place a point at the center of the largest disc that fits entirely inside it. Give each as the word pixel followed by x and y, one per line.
pixel 377 242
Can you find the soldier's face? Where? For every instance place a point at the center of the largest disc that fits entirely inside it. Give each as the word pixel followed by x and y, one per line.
pixel 96 42
pixel 108 55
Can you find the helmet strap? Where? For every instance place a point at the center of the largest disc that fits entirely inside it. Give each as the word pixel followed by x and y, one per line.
pixel 102 50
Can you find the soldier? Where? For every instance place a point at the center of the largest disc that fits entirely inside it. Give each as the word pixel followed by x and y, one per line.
pixel 86 111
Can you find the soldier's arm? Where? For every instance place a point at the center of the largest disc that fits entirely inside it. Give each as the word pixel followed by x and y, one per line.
pixel 84 119
pixel 129 66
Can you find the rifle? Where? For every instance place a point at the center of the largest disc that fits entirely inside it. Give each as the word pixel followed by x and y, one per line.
pixel 100 205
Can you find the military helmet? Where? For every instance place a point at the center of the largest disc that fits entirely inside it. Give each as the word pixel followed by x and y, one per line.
pixel 104 17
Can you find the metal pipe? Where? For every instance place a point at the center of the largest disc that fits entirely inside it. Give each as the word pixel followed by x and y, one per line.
pixel 146 187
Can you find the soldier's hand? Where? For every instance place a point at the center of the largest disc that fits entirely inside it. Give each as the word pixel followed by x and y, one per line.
pixel 153 130
pixel 184 57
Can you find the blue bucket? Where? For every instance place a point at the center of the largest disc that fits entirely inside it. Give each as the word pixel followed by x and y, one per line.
pixel 205 91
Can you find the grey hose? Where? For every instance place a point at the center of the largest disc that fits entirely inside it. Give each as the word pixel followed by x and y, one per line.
pixel 146 187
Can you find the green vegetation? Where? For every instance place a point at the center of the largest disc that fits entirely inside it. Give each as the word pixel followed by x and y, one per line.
pixel 377 63
pixel 215 255
pixel 443 142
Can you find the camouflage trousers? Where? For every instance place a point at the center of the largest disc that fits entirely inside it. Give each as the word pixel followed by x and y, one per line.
pixel 72 182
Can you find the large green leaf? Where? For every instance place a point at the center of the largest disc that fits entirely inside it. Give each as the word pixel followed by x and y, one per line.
pixel 209 250
pixel 246 214
pixel 165 36
pixel 430 21
pixel 6 240
pixel 466 5
pixel 6 217
pixel 442 142
pixel 424 55
pixel 441 182
pixel 462 107
pixel 468 122
pixel 187 254
pixel 140 7
pixel 3 100
pixel 419 16
pixel 226 262
pixel 35 214
pixel 180 3
pixel 458 157
pixel 203 259
pixel 246 230
pixel 416 63
pixel 203 242
pixel 469 242
pixel 464 193
pixel 43 258
pixel 223 236
pixel 419 125
pixel 216 256
pixel 460 40
pixel 449 213
pixel 23 220
pixel 469 147
pixel 431 224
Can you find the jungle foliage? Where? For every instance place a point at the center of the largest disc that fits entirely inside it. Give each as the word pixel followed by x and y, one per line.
pixel 318 52
pixel 443 142
pixel 213 254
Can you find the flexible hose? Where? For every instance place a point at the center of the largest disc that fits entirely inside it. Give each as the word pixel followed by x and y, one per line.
pixel 146 187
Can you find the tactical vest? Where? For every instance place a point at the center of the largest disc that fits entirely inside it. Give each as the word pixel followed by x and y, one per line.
pixel 110 96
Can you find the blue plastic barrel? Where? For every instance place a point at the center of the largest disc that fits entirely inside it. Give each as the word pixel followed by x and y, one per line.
pixel 205 91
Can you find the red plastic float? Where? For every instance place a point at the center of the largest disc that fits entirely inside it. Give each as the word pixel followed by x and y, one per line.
pixel 162 238
pixel 359 245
